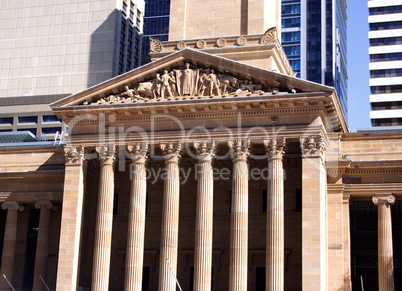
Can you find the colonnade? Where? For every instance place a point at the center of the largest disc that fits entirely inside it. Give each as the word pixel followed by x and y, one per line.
pixel 275 149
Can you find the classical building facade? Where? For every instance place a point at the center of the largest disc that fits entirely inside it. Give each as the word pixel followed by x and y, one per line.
pixel 211 168
pixel 206 172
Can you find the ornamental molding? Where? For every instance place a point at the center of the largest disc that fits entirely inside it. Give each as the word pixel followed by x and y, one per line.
pixel 313 146
pixel 239 149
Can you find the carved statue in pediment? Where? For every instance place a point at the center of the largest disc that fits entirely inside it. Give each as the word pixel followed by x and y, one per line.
pixel 213 83
pixel 187 81
pixel 166 81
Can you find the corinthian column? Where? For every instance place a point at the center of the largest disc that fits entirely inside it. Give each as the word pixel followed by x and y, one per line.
pixel 170 218
pixel 239 217
pixel 385 249
pixel 204 218
pixel 42 251
pixel 136 218
pixel 104 220
pixel 10 236
pixel 275 261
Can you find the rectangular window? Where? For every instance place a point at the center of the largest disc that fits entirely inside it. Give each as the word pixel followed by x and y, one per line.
pixel 51 130
pixel 124 6
pixel 50 118
pixel 32 130
pixel 6 120
pixel 291 22
pixel 28 119
pixel 291 36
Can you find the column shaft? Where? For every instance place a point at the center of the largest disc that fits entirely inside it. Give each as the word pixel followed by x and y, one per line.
pixel 136 225
pixel 41 256
pixel 103 228
pixel 385 248
pixel 239 221
pixel 275 235
pixel 275 228
pixel 204 225
pixel 10 236
pixel 170 222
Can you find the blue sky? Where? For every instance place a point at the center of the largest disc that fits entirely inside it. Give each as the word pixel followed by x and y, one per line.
pixel 358 65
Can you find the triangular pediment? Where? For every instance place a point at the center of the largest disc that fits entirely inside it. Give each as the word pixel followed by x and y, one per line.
pixel 233 78
pixel 191 74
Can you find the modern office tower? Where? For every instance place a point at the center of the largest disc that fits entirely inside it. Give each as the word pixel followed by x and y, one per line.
pixel 385 35
pixel 51 49
pixel 156 24
pixel 314 39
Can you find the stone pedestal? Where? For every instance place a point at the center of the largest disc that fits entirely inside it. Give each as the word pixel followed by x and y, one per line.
pixel 170 218
pixel 71 219
pixel 204 218
pixel 275 261
pixel 104 220
pixel 136 218
pixel 385 248
pixel 239 217
pixel 42 252
pixel 10 236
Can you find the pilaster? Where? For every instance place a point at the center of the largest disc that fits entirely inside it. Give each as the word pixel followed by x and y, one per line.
pixel 71 219
pixel 314 213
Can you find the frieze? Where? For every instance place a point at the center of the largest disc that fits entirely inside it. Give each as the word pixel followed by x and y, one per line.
pixel 185 82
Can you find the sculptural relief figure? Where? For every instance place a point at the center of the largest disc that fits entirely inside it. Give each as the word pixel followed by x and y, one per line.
pixel 227 83
pixel 165 84
pixel 172 82
pixel 129 94
pixel 187 81
pixel 213 83
pixel 144 89
pixel 156 86
pixel 203 82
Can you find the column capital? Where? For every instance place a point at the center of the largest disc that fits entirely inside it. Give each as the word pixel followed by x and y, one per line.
pixel 43 204
pixel 275 148
pixel 239 149
pixel 74 155
pixel 205 151
pixel 313 146
pixel 138 152
pixel 171 151
pixel 106 154
pixel 383 199
pixel 12 205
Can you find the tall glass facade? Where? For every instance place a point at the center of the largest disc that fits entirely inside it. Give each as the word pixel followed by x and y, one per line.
pixel 314 39
pixel 156 24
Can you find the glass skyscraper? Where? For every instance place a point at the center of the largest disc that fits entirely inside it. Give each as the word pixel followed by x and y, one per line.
pixel 314 39
pixel 156 24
